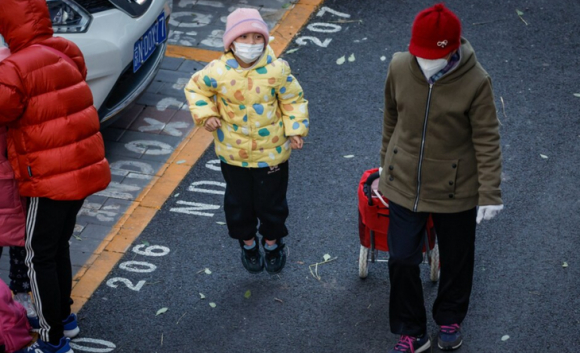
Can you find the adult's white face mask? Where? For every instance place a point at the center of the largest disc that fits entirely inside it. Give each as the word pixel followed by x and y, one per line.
pixel 248 53
pixel 431 67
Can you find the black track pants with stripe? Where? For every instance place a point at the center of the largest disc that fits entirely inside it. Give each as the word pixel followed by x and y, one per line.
pixel 49 226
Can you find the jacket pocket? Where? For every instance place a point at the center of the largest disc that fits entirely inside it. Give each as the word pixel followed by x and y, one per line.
pixel 439 178
pixel 402 171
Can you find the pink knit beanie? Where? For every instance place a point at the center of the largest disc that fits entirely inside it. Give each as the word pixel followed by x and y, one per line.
pixel 244 21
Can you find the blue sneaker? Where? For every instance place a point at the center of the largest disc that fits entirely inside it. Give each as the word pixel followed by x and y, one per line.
pixel 450 337
pixel 71 328
pixel 44 347
pixel 409 344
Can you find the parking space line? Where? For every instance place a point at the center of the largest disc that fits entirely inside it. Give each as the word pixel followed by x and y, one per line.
pixel 152 198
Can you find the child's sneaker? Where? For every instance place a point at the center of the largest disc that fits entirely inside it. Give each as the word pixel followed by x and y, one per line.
pixel 252 258
pixel 71 328
pixel 275 256
pixel 450 337
pixel 44 347
pixel 409 344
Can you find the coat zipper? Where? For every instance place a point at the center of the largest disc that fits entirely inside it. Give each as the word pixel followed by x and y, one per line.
pixel 422 148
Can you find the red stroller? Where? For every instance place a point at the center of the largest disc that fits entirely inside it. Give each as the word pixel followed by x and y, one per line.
pixel 373 223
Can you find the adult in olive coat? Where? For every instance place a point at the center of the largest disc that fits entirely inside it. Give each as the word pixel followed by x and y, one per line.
pixel 440 156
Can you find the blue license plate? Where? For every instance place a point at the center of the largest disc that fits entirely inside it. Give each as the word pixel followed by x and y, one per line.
pixel 146 45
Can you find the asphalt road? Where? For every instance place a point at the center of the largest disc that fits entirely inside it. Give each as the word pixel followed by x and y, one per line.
pixel 521 288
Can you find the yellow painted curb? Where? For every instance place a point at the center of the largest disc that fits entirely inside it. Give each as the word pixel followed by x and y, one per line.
pixel 152 198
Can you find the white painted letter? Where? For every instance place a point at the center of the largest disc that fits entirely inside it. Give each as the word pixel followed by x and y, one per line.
pixel 194 208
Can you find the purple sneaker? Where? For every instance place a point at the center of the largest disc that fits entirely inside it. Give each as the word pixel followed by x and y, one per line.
pixel 409 344
pixel 450 337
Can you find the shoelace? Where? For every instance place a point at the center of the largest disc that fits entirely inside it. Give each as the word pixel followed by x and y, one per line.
pixel 450 329
pixel 405 344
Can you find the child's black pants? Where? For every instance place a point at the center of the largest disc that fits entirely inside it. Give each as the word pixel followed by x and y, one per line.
pixel 456 239
pixel 18 274
pixel 254 194
pixel 49 226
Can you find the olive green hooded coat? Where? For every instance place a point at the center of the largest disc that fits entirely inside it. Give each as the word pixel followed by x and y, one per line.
pixel 441 145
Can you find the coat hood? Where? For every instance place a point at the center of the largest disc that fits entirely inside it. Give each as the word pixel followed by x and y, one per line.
pixel 24 22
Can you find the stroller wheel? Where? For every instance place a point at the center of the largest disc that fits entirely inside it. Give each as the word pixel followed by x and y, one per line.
pixel 434 264
pixel 363 262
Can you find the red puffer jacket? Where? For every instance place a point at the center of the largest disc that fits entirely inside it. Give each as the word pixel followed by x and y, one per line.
pixel 54 143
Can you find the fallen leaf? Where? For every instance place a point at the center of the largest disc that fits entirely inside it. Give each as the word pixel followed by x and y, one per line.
pixel 349 156
pixel 145 242
pixel 176 195
pixel 292 51
pixel 577 95
pixel 565 264
pixel 161 311
pixel 201 296
pixel 77 237
pixel 180 161
pixel 351 58
pixel 279 300
pixel 340 60
pixel 286 5
pixel 383 58
pixel 212 304
pixel 248 294
pixel 221 223
pixel 207 271
pixel 505 338
pixel 326 257
pixel 520 14
pixel 543 156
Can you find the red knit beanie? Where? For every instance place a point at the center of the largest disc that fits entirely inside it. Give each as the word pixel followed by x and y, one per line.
pixel 436 32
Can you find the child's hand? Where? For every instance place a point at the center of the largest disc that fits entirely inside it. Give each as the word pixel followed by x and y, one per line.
pixel 296 142
pixel 212 124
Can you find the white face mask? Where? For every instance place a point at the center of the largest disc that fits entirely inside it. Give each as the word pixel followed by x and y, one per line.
pixel 248 53
pixel 431 67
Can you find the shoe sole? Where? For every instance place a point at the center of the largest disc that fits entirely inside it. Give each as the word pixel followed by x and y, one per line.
pixel 449 348
pixel 72 333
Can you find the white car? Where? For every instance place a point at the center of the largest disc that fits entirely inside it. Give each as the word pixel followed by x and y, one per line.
pixel 123 42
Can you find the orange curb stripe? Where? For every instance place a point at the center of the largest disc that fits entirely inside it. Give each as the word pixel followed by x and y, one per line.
pixel 203 55
pixel 152 198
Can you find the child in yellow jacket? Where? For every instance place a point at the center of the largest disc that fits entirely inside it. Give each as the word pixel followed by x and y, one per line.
pixel 257 113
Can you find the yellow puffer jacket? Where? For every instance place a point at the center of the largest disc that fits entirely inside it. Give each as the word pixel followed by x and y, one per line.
pixel 259 108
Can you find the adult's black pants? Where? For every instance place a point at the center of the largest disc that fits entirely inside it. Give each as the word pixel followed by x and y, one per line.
pixel 254 194
pixel 456 240
pixel 49 226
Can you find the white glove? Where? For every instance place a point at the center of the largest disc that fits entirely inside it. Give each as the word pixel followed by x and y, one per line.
pixel 487 212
